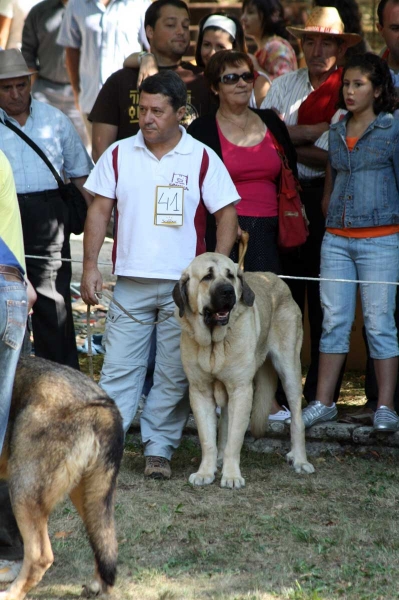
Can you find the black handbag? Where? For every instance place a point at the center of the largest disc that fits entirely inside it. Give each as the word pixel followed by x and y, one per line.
pixel 77 207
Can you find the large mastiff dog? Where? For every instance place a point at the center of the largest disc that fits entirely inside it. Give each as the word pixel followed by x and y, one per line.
pixel 64 436
pixel 238 333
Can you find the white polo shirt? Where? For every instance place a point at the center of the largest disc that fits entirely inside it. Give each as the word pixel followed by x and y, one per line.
pixel 190 177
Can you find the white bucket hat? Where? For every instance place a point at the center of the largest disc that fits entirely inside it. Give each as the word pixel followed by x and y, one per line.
pixel 12 64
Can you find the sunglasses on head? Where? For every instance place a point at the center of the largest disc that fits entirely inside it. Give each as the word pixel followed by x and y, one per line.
pixel 232 78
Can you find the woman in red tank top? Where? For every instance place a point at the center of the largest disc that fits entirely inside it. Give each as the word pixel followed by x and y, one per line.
pixel 243 138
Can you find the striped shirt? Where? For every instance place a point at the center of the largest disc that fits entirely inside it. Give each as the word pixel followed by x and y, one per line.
pixel 54 133
pixel 286 96
pixel 105 36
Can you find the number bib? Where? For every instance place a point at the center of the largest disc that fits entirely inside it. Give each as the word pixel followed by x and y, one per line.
pixel 169 201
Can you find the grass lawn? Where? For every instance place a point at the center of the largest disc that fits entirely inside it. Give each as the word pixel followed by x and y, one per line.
pixel 334 534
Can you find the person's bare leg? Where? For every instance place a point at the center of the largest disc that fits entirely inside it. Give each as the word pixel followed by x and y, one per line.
pixel 275 407
pixel 386 372
pixel 329 369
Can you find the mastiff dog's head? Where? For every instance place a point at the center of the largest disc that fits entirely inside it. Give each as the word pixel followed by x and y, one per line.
pixel 210 291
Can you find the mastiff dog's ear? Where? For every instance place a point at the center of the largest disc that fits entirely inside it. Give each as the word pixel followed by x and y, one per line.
pixel 180 294
pixel 248 296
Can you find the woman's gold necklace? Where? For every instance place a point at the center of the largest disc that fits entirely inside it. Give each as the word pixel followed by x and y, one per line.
pixel 234 123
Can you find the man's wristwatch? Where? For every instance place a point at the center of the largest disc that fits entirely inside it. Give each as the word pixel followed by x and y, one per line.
pixel 142 54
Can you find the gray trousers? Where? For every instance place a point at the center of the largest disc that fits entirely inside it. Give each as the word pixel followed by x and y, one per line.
pixel 128 346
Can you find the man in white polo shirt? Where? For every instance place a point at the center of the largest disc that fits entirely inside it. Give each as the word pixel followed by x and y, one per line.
pixel 161 181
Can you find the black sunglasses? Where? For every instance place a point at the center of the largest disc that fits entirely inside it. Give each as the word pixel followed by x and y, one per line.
pixel 232 78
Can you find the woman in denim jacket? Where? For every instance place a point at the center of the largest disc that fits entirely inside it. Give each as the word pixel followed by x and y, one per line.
pixel 361 203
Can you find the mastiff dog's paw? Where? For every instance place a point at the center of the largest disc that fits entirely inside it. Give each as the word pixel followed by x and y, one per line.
pixel 231 478
pixel 201 478
pixel 299 465
pixel 234 483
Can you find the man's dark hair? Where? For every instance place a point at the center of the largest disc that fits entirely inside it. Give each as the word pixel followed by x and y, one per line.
pixel 152 13
pixel 380 9
pixel 377 71
pixel 169 84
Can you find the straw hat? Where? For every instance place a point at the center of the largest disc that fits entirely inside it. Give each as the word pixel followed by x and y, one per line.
pixel 326 21
pixel 12 64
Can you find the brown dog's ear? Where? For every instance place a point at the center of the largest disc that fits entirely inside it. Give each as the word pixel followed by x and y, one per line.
pixel 248 296
pixel 180 294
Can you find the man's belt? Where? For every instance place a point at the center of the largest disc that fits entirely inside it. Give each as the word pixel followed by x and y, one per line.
pixel 45 194
pixel 8 270
pixel 316 182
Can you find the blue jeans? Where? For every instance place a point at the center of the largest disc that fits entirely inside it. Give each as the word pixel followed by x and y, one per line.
pixel 13 315
pixel 372 259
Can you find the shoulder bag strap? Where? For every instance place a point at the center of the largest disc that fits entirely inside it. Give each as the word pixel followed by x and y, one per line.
pixel 279 149
pixel 38 151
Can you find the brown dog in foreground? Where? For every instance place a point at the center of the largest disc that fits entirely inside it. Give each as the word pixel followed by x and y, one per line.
pixel 64 436
pixel 239 332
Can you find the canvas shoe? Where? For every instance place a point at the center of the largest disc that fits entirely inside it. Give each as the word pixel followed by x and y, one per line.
pixel 385 420
pixel 157 467
pixel 281 415
pixel 9 570
pixel 316 412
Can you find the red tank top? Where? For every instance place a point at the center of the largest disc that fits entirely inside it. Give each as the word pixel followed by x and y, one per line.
pixel 254 171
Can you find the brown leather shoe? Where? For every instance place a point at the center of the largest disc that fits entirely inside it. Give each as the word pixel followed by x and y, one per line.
pixel 157 467
pixel 362 416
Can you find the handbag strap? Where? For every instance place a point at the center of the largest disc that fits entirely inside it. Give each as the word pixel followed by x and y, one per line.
pixel 284 160
pixel 280 151
pixel 36 149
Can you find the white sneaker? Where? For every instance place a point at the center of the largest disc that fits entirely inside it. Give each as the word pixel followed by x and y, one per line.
pixel 281 415
pixel 9 570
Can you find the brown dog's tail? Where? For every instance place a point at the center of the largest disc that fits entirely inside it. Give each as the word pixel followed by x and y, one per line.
pixel 95 497
pixel 100 525
pixel 265 385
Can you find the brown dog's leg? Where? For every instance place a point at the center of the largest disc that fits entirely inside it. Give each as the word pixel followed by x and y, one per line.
pixel 38 555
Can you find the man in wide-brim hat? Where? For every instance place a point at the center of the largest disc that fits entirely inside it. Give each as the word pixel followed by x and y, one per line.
pixel 326 21
pixel 306 100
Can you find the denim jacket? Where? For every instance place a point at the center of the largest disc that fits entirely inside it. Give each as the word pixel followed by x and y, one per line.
pixel 366 180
